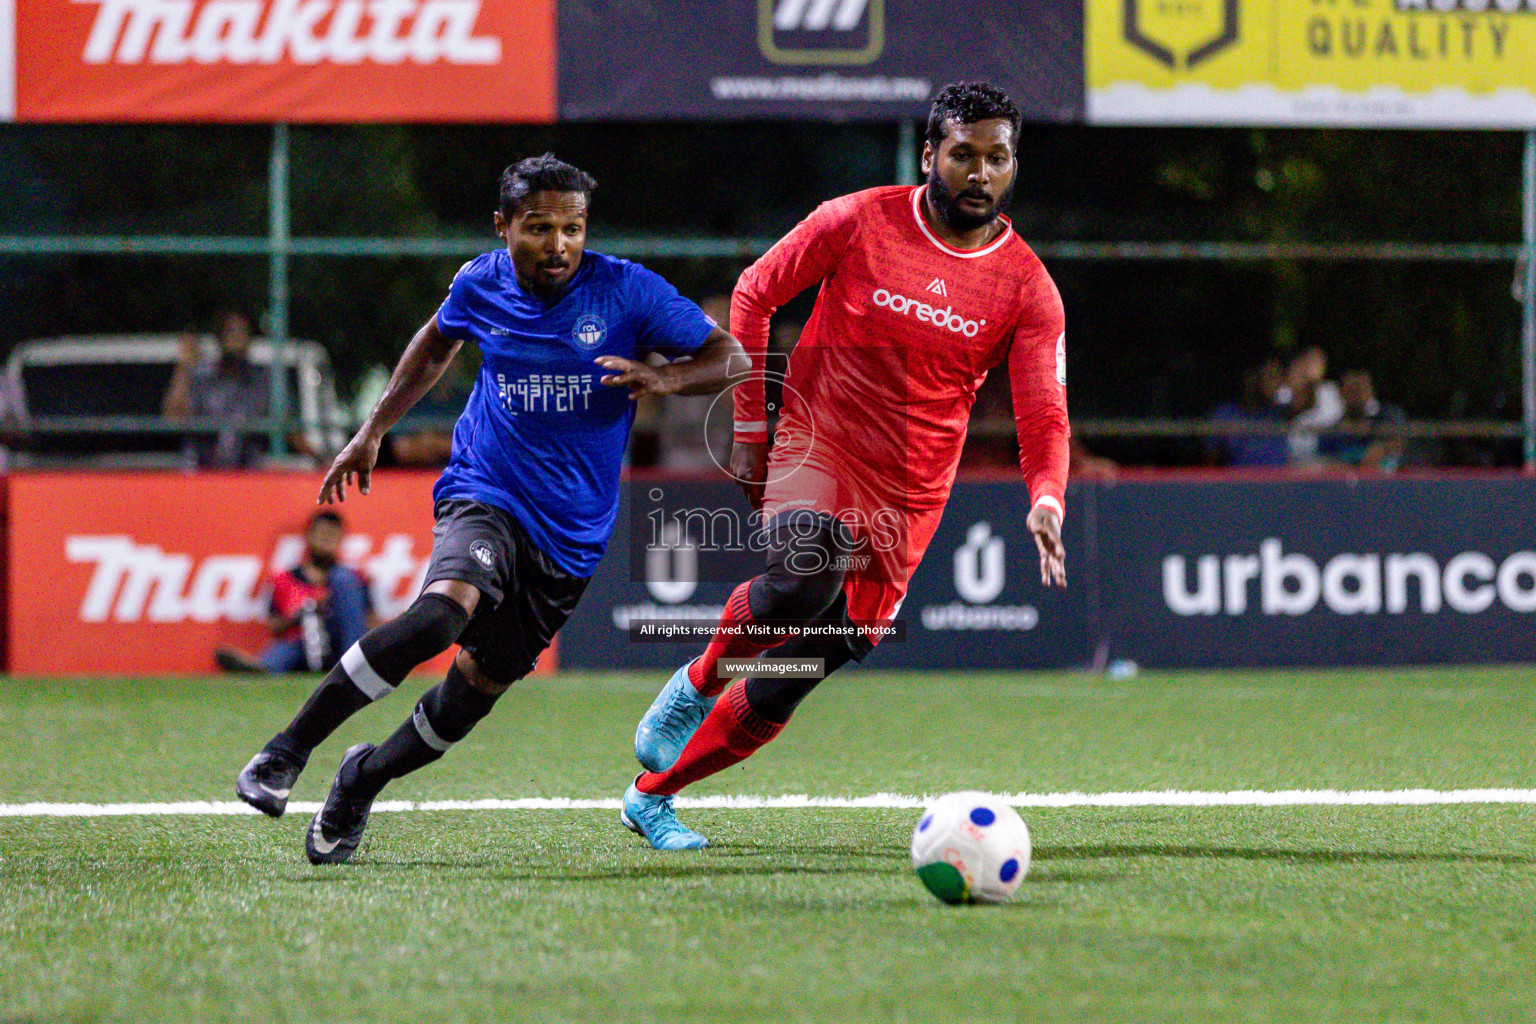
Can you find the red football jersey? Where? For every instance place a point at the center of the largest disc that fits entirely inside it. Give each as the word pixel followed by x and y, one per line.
pixel 903 332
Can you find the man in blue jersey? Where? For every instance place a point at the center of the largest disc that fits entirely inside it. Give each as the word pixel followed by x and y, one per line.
pixel 528 501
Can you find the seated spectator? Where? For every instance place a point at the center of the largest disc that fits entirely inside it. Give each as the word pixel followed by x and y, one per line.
pixel 319 608
pixel 1373 441
pixel 1083 463
pixel 424 435
pixel 1313 401
pixel 230 389
pixel 1259 405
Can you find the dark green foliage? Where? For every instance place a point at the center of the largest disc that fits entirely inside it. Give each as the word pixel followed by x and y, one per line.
pixel 1147 339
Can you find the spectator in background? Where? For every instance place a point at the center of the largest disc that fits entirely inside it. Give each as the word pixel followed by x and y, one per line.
pixel 1083 463
pixel 1373 440
pixel 1313 401
pixel 318 609
pixel 424 436
pixel 13 419
pixel 229 389
pixel 1259 405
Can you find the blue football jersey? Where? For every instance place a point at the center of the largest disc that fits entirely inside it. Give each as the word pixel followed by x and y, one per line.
pixel 541 437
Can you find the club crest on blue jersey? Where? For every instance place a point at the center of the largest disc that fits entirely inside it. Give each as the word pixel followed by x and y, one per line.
pixel 589 331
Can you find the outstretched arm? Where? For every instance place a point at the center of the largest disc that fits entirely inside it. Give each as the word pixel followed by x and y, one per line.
pixel 1037 374
pixel 420 367
pixel 706 372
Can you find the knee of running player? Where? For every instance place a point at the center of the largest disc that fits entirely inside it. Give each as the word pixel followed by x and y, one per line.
pixel 448 711
pixel 378 662
pixel 476 675
pixel 805 569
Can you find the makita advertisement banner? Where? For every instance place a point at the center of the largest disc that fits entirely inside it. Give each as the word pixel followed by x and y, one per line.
pixel 817 59
pixel 124 573
pixel 277 60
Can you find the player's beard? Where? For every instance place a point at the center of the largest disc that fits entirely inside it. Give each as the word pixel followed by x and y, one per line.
pixel 945 202
pixel 546 291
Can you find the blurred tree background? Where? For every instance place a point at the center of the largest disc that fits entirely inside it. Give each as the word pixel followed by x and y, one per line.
pixel 1147 338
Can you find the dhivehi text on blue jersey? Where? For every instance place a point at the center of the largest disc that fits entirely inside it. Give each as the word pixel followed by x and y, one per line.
pixel 541 436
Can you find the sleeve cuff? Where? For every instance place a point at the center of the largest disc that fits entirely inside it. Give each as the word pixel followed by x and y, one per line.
pixel 1050 503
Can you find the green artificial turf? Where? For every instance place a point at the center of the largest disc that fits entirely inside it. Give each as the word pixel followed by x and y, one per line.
pixel 1158 914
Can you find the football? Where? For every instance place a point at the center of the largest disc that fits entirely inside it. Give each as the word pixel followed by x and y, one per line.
pixel 971 847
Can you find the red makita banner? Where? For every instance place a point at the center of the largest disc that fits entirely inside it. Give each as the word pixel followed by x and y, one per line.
pixel 130 573
pixel 281 60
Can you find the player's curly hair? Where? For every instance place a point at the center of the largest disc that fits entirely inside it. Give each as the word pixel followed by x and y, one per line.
pixel 544 173
pixel 967 103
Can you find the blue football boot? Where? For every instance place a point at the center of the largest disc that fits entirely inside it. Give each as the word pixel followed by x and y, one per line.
pixel 653 819
pixel 673 717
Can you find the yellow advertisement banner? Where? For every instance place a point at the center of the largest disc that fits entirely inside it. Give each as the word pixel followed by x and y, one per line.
pixel 1428 63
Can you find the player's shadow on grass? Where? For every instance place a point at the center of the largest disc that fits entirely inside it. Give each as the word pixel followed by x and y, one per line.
pixel 1048 853
pixel 840 861
pixel 892 851
pixel 1056 876
pixel 682 870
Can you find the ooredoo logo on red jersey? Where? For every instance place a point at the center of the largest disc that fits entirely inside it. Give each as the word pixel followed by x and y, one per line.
pixel 946 318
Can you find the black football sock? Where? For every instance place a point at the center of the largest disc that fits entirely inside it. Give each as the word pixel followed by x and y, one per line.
pixel 444 715
pixel 334 701
pixel 370 670
pixel 774 699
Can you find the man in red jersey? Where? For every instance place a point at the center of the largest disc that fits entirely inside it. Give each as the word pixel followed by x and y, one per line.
pixel 922 291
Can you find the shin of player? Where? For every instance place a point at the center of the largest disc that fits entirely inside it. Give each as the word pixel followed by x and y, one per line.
pixel 369 670
pixel 689 734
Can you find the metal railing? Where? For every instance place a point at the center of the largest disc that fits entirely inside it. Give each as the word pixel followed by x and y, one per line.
pixel 278 246
pixel 1086 427
pixel 670 247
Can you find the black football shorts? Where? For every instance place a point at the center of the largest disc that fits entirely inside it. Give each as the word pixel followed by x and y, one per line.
pixel 524 597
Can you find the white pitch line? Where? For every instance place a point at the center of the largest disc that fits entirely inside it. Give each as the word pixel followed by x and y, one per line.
pixel 1147 798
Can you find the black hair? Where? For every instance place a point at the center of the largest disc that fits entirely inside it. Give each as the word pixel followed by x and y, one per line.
pixel 224 313
pixel 967 103
pixel 325 516
pixel 545 173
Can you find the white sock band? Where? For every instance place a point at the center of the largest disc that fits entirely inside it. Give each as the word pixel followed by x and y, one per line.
pixel 356 666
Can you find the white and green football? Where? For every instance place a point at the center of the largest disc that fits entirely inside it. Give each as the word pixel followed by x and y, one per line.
pixel 971 847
